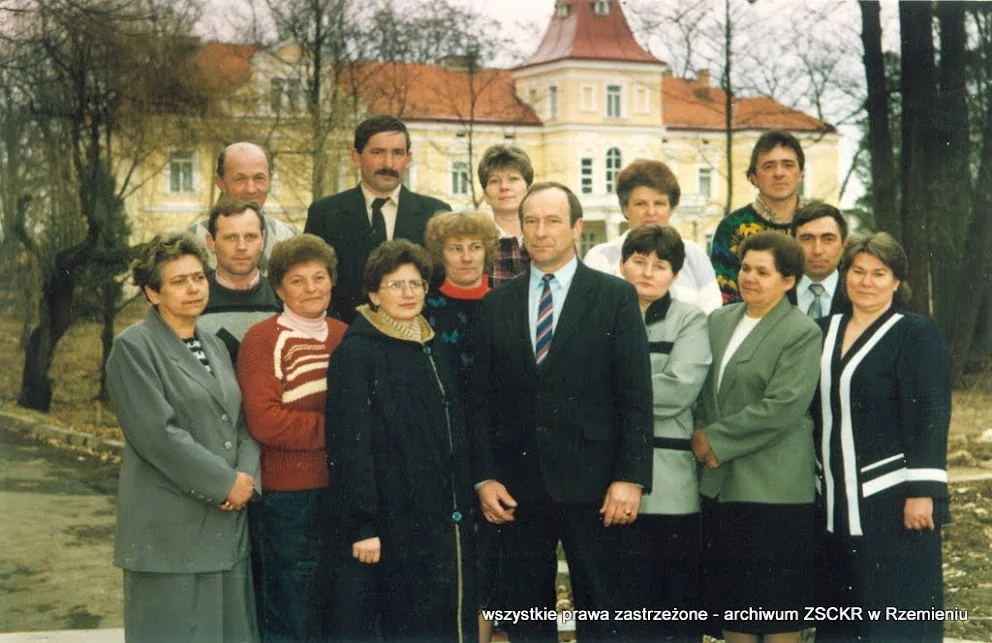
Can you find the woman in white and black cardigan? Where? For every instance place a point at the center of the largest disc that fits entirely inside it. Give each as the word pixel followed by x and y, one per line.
pixel 664 552
pixel 882 412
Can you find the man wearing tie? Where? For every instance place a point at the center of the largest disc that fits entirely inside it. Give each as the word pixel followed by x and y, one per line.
pixel 379 208
pixel 563 420
pixel 822 231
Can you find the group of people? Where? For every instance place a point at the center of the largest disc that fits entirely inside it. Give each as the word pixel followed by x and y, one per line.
pixel 385 427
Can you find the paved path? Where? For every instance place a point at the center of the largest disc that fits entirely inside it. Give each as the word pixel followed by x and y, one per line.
pixel 57 513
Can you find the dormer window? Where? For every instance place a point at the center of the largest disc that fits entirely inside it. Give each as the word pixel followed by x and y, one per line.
pixel 601 7
pixel 561 10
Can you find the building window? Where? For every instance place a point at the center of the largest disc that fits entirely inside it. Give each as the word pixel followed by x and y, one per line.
pixel 284 95
pixel 181 172
pixel 642 100
pixel 613 164
pixel 613 101
pixel 803 182
pixel 587 98
pixel 562 10
pixel 590 237
pixel 585 178
pixel 553 101
pixel 601 7
pixel 704 179
pixel 460 178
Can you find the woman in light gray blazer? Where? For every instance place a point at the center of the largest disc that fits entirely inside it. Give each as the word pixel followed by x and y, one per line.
pixel 756 441
pixel 189 466
pixel 664 552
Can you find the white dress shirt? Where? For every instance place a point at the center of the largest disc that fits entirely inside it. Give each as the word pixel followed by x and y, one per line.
pixel 804 298
pixel 389 208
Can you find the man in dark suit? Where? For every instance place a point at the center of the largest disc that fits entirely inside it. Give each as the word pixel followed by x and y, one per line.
pixel 562 420
pixel 822 231
pixel 379 208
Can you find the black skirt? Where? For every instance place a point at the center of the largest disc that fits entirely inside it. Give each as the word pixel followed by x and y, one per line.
pixel 758 564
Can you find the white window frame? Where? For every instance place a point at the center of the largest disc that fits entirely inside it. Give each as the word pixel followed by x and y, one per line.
pixel 461 178
pixel 584 176
pixel 288 87
pixel 805 183
pixel 554 96
pixel 642 100
pixel 619 100
pixel 708 171
pixel 614 163
pixel 587 97
pixel 194 177
pixel 601 7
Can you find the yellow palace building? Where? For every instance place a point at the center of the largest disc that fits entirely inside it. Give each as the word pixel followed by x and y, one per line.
pixel 587 102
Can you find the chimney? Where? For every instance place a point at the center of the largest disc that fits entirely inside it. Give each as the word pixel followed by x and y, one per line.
pixel 703 77
pixel 456 62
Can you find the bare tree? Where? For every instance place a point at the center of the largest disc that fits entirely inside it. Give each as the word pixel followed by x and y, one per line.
pixel 883 175
pixel 919 152
pixel 100 81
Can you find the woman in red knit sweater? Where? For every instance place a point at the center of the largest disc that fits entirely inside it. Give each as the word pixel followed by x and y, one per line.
pixel 282 369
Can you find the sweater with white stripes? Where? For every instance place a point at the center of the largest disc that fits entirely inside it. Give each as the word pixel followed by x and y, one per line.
pixel 283 377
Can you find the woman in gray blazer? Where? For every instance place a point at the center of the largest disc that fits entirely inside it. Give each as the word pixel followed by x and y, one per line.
pixel 189 465
pixel 664 552
pixel 756 440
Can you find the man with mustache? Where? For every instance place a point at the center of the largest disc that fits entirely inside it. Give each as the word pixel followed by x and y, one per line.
pixel 240 295
pixel 378 209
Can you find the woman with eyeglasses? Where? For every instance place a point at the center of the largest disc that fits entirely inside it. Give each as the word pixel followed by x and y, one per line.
pixel 399 457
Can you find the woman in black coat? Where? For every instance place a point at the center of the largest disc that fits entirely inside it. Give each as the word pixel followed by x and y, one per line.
pixel 882 412
pixel 399 461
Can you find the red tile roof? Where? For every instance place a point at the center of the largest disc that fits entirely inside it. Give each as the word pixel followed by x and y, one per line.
pixel 418 92
pixel 584 35
pixel 421 92
pixel 693 105
pixel 225 65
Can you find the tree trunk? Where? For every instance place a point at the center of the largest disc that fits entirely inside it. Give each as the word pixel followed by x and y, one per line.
pixel 974 283
pixel 109 291
pixel 883 178
pixel 919 86
pixel 54 317
pixel 728 90
pixel 952 211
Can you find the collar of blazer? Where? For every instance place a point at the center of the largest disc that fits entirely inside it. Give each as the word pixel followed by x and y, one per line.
pixel 219 383
pixel 747 350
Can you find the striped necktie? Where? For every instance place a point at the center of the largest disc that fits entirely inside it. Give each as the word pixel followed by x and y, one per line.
pixel 545 321
pixel 816 308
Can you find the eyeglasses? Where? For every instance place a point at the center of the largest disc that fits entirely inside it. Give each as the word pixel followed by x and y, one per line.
pixel 415 286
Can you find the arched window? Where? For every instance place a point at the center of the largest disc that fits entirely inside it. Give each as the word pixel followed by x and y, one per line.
pixel 613 165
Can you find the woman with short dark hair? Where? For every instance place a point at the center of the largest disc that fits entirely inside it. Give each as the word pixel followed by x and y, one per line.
pixel 189 467
pixel 665 549
pixel 398 449
pixel 282 368
pixel 756 441
pixel 882 414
